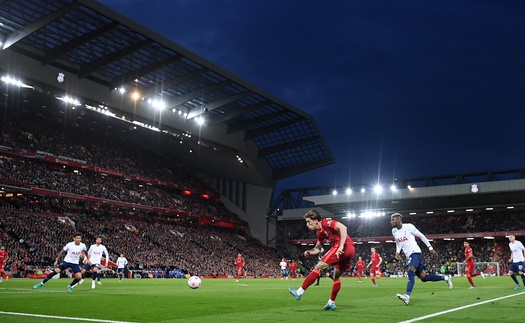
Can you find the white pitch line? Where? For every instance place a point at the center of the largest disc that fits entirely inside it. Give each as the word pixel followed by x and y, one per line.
pixel 62 317
pixel 9 290
pixel 459 308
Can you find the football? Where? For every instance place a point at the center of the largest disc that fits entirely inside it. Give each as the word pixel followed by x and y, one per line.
pixel 194 282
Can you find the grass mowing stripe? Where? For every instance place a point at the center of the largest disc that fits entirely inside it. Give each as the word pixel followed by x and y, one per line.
pixel 62 317
pixel 458 308
pixel 261 301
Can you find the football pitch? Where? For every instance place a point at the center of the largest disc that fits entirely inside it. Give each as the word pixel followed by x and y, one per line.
pixel 259 300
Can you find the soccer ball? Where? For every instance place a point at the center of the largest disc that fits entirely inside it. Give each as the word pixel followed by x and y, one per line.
pixel 194 282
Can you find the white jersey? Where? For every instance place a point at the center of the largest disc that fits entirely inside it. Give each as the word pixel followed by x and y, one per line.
pixel 283 265
pixel 121 262
pixel 406 239
pixel 95 253
pixel 73 252
pixel 517 251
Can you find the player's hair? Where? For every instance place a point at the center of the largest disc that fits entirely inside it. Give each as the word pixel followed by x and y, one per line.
pixel 397 215
pixel 314 215
pixel 78 234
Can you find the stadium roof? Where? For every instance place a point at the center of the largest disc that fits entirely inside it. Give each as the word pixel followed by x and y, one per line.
pixel 85 50
pixel 476 192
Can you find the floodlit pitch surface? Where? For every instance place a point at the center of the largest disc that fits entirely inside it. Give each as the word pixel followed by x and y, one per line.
pixel 258 300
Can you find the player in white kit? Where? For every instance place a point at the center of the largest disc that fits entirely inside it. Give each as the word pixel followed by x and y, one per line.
pixel 405 235
pixel 516 259
pixel 72 252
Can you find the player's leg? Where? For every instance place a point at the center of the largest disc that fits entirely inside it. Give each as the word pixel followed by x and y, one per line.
pixel 336 286
pixel 522 274
pixel 83 272
pixel 309 280
pixel 373 277
pixel 411 275
pixel 77 276
pixel 49 276
pixel 468 274
pixel 94 275
pixel 514 268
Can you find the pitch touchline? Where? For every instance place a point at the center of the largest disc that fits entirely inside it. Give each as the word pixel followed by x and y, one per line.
pixel 63 317
pixel 459 308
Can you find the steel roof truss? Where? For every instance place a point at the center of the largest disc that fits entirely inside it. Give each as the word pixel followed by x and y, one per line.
pixel 20 34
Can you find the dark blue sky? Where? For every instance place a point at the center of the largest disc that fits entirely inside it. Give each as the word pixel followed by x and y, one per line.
pixel 398 88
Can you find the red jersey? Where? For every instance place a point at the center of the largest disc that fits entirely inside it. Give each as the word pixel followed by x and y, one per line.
pixel 329 232
pixel 375 259
pixel 360 265
pixel 239 262
pixel 3 257
pixel 468 252
pixel 293 266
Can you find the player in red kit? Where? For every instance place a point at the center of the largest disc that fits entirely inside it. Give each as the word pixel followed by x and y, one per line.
pixel 375 261
pixel 339 256
pixel 239 264
pixel 293 269
pixel 360 266
pixel 3 257
pixel 469 265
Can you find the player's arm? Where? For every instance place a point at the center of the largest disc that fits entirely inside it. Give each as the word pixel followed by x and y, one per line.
pixel 341 228
pixel 398 250
pixel 60 256
pixel 317 249
pixel 380 261
pixel 421 236
pixel 107 256
pixel 470 256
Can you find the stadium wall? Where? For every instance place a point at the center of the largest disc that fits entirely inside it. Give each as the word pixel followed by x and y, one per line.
pixel 257 203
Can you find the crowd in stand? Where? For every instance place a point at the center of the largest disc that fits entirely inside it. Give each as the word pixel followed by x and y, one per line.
pixel 34 239
pixel 450 251
pixel 87 183
pixel 33 229
pixel 33 233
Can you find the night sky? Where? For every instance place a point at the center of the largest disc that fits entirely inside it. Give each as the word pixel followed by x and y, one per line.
pixel 399 89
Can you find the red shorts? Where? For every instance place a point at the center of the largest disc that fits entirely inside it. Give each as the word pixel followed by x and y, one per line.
pixel 375 270
pixel 469 268
pixel 344 261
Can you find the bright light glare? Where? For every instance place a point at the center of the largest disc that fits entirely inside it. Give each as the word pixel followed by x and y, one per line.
pixel 70 100
pixel 350 215
pixel 393 188
pixel 370 214
pixel 159 105
pixel 363 190
pixel 348 191
pixel 334 192
pixel 135 96
pixel 12 81
pixel 122 90
pixel 199 120
pixel 378 189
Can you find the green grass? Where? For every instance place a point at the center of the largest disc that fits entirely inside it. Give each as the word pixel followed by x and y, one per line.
pixel 257 300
